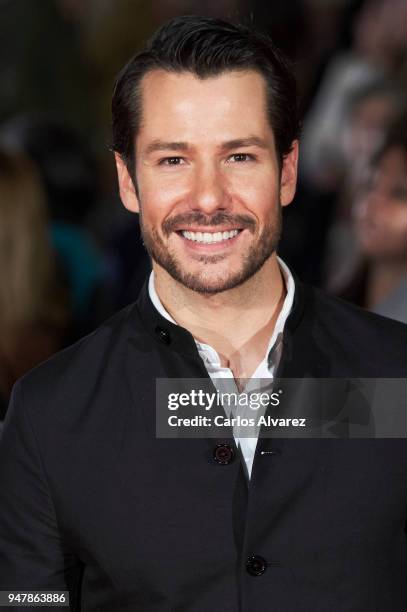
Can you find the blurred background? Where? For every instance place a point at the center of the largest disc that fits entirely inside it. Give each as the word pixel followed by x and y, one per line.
pixel 70 255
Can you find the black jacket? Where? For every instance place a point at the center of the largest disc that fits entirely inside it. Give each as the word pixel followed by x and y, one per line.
pixel 93 502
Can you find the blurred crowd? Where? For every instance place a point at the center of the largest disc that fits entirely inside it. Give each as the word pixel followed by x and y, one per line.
pixel 70 255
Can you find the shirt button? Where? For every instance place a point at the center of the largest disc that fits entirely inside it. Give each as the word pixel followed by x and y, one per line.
pixel 223 454
pixel 256 565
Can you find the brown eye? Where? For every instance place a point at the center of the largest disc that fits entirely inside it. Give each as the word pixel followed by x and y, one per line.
pixel 171 161
pixel 241 157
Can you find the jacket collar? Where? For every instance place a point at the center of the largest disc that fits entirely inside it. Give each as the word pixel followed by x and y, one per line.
pixel 165 333
pixel 179 339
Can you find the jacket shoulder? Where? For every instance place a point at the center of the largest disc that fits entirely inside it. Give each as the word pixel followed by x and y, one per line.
pixel 356 315
pixel 84 361
pixel 364 336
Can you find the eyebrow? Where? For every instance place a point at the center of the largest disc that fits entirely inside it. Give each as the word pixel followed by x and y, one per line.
pixel 250 141
pixel 159 145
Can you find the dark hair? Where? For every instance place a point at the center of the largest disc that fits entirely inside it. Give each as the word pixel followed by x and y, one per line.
pixel 206 47
pixel 396 138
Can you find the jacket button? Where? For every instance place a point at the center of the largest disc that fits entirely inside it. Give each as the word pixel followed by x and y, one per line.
pixel 163 335
pixel 223 454
pixel 256 565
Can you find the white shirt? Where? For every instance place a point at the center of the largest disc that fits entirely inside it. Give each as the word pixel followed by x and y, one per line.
pixel 264 371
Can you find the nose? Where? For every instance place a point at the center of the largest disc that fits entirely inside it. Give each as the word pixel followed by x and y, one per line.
pixel 209 192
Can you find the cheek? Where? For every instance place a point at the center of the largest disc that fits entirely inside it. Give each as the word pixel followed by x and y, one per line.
pixel 399 235
pixel 260 193
pixel 158 199
pixel 161 194
pixel 395 220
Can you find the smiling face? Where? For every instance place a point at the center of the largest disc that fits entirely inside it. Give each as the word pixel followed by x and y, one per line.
pixel 208 178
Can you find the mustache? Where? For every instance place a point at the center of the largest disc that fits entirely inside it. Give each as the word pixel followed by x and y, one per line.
pixel 198 218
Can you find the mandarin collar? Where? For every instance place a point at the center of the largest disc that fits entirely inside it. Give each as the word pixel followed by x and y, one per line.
pixel 177 338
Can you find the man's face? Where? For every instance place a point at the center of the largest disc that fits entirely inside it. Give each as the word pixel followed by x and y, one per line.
pixel 209 189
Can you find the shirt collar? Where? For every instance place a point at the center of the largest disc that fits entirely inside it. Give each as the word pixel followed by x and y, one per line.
pixel 209 351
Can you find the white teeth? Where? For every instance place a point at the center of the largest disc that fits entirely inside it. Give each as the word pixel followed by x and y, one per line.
pixel 208 238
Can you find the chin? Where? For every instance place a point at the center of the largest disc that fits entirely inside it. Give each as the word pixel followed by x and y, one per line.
pixel 210 284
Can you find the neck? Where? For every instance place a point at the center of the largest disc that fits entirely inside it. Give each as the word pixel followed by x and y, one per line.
pixel 237 323
pixel 384 277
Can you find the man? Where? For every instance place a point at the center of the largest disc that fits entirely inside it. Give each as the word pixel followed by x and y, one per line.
pixel 205 136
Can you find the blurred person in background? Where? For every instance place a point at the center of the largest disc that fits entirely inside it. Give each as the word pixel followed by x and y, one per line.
pixel 69 178
pixel 379 282
pixel 34 309
pixel 369 114
pixel 378 51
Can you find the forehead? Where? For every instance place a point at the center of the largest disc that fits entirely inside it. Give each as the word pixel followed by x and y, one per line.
pixel 223 105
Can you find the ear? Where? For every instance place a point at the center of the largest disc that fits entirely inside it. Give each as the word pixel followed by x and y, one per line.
pixel 126 186
pixel 289 175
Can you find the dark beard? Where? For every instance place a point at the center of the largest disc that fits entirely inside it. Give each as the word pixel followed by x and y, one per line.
pixel 252 261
